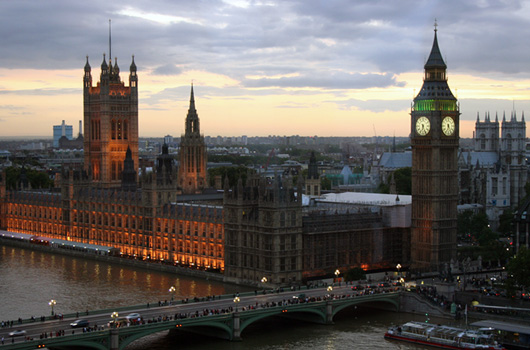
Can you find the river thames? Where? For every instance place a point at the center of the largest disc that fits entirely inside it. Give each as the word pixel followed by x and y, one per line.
pixel 30 279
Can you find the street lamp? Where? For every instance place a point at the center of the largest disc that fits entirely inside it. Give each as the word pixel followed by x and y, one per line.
pixel 172 291
pixel 114 316
pixel 52 304
pixel 236 301
pixel 398 267
pixel 337 273
pixel 263 281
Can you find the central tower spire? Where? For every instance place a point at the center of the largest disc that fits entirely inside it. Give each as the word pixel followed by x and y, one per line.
pixel 192 174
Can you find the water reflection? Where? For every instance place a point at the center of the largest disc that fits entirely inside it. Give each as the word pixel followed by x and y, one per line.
pixel 29 279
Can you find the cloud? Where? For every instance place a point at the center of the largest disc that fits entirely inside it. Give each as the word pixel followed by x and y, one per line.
pixel 42 92
pixel 376 106
pixel 168 69
pixel 328 81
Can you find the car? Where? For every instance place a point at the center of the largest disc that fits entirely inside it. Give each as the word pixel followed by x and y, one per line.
pixel 134 316
pixel 79 323
pixel 17 333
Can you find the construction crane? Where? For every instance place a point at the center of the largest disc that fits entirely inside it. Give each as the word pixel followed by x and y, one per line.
pixel 271 154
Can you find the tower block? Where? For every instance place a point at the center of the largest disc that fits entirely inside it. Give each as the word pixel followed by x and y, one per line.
pixel 434 137
pixel 110 122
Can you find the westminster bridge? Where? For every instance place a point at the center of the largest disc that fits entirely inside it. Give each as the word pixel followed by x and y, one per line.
pixel 225 317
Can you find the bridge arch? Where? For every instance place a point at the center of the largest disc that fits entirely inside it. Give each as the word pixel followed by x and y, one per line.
pixel 168 326
pixel 346 303
pixel 319 315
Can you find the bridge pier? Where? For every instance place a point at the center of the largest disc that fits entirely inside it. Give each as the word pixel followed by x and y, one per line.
pixel 236 327
pixel 329 312
pixel 114 339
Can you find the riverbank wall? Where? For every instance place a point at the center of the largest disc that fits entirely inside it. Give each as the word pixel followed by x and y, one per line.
pixel 153 266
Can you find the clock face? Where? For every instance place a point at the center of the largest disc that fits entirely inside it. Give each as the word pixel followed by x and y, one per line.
pixel 448 126
pixel 423 125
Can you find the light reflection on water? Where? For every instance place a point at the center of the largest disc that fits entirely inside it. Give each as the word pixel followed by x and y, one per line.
pixel 29 279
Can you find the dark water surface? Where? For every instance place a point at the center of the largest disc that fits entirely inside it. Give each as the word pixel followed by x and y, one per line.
pixel 29 279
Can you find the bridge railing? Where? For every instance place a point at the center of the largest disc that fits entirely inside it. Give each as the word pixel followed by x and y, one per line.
pixel 81 314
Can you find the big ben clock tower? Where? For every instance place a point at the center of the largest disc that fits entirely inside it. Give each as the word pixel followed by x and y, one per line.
pixel 434 138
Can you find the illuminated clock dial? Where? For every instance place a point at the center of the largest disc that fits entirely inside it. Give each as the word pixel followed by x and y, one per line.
pixel 448 126
pixel 423 125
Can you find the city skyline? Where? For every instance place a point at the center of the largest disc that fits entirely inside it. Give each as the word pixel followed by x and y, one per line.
pixel 263 68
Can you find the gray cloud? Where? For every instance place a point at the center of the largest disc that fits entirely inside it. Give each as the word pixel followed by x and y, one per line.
pixel 371 40
pixel 377 106
pixel 328 81
pixel 168 69
pixel 42 92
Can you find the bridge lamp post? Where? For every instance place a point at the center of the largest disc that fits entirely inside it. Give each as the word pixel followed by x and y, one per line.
pixel 330 289
pixel 398 267
pixel 114 316
pixel 52 303
pixel 172 291
pixel 264 280
pixel 337 273
pixel 236 301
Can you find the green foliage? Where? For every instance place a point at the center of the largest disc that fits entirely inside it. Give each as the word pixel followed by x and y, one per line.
pixel 475 228
pixel 505 223
pixel 37 179
pixel 463 227
pixel 233 173
pixel 519 268
pixel 355 274
pixel 325 183
pixel 383 188
pixel 403 178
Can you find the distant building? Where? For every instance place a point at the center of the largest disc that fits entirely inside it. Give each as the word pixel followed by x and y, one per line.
pixel 494 173
pixel 62 130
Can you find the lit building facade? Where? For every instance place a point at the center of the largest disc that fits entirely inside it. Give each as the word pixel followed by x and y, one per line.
pixel 110 122
pixel 259 229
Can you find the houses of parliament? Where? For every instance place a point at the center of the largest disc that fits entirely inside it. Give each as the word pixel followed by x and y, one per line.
pixel 257 228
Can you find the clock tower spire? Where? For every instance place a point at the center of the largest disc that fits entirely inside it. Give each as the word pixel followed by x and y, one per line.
pixel 434 139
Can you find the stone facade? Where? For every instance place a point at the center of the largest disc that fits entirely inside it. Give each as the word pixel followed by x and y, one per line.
pixel 192 174
pixel 435 136
pixel 110 122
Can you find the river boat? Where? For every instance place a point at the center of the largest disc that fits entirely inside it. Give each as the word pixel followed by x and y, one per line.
pixel 513 336
pixel 443 337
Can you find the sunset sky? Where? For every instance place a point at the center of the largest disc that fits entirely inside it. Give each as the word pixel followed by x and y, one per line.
pixel 292 67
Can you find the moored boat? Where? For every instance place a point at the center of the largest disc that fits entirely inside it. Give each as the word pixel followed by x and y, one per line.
pixel 444 337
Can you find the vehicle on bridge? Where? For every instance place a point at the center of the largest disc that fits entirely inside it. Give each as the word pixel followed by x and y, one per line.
pixel 79 323
pixel 17 333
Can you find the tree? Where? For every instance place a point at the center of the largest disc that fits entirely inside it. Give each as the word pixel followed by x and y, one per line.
pixel 464 226
pixel 355 274
pixel 505 223
pixel 325 183
pixel 36 179
pixel 403 179
pixel 519 268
